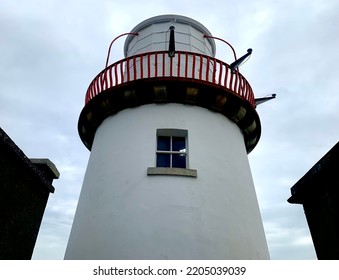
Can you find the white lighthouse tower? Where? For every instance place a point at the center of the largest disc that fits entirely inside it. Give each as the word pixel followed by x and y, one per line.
pixel 169 128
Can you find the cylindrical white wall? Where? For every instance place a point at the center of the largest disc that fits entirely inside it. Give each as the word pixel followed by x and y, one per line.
pixel 125 214
pixel 154 36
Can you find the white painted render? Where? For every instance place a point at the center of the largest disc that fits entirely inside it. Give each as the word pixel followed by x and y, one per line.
pixel 154 36
pixel 125 214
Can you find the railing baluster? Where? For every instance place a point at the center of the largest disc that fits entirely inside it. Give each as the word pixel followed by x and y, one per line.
pixel 239 85
pixel 232 78
pixel 87 95
pixel 179 58
pixel 163 64
pixel 127 70
pixel 104 85
pixel 171 66
pixel 207 69
pixel 121 73
pixel 134 65
pixel 220 73
pixel 226 75
pixel 193 66
pixel 100 81
pixel 248 90
pixel 97 85
pixel 110 77
pixel 243 88
pixel 214 70
pixel 107 85
pixel 115 75
pixel 148 65
pixel 141 68
pixel 241 93
pixel 91 93
pixel 200 68
pixel 186 65
pixel 235 88
pixel 156 64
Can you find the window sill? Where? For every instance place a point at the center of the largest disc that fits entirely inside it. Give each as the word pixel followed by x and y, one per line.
pixel 172 171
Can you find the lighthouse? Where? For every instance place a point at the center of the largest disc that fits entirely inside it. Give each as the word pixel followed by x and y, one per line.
pixel 169 128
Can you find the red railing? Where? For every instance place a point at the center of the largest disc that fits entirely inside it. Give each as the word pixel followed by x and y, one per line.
pixel 184 65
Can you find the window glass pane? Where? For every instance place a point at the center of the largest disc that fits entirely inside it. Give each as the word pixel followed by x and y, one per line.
pixel 163 160
pixel 164 143
pixel 179 144
pixel 179 160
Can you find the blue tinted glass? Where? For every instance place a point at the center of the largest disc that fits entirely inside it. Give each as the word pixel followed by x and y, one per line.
pixel 179 161
pixel 163 160
pixel 164 143
pixel 178 144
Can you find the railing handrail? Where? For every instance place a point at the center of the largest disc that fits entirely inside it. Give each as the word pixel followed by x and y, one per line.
pixel 158 64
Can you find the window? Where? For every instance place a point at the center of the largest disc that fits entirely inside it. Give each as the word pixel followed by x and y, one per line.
pixel 172 154
pixel 171 148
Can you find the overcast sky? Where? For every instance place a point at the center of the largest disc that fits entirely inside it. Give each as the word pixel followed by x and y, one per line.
pixel 51 50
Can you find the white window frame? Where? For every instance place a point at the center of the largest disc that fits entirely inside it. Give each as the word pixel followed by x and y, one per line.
pixel 170 132
pixel 172 171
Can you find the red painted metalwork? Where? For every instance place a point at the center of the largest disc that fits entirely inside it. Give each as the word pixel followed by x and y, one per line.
pixel 186 66
pixel 156 64
pixel 163 64
pixel 141 67
pixel 220 39
pixel 116 38
pixel 149 66
pixel 193 65
pixel 214 69
pixel 200 69
pixel 207 67
pixel 109 52
pixel 190 66
pixel 171 66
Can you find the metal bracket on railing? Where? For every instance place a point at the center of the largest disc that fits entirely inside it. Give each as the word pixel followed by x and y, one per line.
pixel 235 65
pixel 264 99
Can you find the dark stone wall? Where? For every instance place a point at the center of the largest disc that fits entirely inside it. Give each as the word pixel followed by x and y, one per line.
pixel 323 221
pixel 318 192
pixel 24 192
